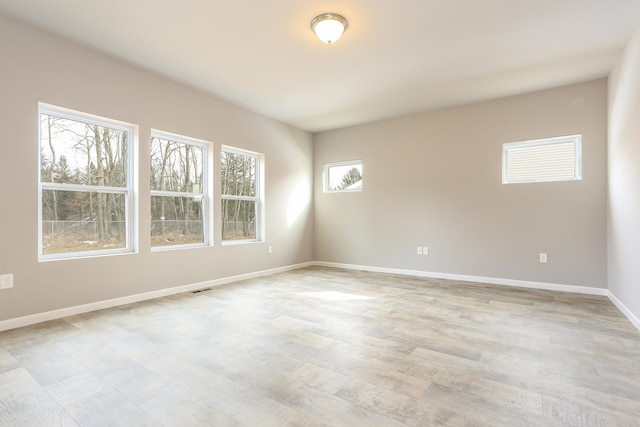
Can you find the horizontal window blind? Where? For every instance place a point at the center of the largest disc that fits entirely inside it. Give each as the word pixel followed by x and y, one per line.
pixel 552 159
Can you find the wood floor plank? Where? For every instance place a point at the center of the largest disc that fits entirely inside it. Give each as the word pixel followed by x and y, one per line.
pixel 478 409
pixel 92 401
pixel 7 361
pixel 492 391
pixel 24 402
pixel 176 407
pixel 571 413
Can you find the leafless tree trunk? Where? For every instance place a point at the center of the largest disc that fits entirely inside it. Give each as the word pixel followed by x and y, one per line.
pixel 53 165
pixel 187 182
pixel 102 230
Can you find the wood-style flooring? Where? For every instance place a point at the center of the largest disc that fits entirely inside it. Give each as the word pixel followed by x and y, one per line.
pixel 330 347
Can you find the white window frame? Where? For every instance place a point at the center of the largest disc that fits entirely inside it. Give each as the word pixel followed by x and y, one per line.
pixel 258 199
pixel 207 239
pixel 575 140
pixel 129 191
pixel 326 175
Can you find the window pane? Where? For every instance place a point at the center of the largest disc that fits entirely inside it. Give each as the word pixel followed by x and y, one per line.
pixel 176 166
pixel 77 221
pixel 238 219
pixel 75 152
pixel 344 177
pixel 176 220
pixel 238 174
pixel 240 184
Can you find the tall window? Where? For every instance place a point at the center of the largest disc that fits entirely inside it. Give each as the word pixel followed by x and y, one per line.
pixel 86 185
pixel 178 189
pixel 241 183
pixel 542 160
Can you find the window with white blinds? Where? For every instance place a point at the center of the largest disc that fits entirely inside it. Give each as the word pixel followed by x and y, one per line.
pixel 542 160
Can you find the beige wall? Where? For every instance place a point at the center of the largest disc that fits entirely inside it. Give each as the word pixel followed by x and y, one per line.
pixel 434 179
pixel 624 179
pixel 39 68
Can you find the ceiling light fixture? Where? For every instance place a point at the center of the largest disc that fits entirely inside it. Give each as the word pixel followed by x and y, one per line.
pixel 329 27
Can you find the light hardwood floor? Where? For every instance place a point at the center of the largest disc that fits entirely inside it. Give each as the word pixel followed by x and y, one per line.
pixel 329 347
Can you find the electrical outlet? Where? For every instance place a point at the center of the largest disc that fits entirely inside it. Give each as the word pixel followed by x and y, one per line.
pixel 425 250
pixel 6 281
pixel 543 257
pixel 419 250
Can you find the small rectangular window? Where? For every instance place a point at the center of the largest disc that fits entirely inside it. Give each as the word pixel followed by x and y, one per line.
pixel 241 195
pixel 343 176
pixel 86 202
pixel 542 160
pixel 178 191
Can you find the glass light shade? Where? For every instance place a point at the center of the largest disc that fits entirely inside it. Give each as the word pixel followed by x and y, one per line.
pixel 329 27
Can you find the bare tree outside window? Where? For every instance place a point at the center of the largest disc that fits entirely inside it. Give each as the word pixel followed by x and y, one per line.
pixel 343 176
pixel 84 185
pixel 352 177
pixel 240 192
pixel 177 192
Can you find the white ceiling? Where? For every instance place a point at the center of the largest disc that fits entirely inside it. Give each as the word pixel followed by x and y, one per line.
pixel 396 57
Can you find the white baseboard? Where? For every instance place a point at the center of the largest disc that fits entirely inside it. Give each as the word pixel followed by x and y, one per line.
pixel 31 319
pixel 623 308
pixel 479 279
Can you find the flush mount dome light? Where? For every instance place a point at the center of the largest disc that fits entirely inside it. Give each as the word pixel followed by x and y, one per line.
pixel 329 27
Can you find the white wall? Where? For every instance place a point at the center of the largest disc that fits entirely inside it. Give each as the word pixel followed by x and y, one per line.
pixel 624 180
pixel 434 179
pixel 40 68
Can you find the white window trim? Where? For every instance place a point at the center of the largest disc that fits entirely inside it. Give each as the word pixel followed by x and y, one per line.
pixel 207 219
pixel 129 191
pixel 258 198
pixel 325 175
pixel 577 159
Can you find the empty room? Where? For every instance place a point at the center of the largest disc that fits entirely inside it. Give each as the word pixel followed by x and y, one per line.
pixel 320 213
